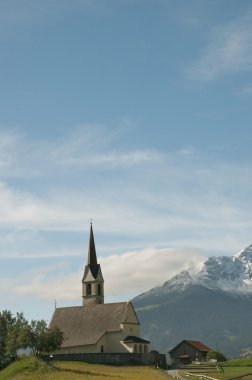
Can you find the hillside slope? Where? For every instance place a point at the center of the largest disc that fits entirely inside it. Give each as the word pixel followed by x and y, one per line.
pixel 33 369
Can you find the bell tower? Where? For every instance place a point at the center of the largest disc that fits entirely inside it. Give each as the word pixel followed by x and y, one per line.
pixel 92 281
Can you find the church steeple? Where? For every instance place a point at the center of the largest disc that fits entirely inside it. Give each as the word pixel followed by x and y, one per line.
pixel 92 282
pixel 92 259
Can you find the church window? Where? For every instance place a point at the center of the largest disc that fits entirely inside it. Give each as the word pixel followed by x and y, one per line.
pixel 88 289
pixel 102 348
pixel 135 348
pixel 145 349
pixel 140 348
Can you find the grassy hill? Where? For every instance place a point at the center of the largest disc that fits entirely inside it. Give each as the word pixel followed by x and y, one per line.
pixel 33 369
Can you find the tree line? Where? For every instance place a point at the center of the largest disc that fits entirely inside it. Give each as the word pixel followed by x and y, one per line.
pixel 17 333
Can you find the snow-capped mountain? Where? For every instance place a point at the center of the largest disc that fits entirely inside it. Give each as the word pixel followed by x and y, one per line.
pixel 230 274
pixel 226 273
pixel 213 305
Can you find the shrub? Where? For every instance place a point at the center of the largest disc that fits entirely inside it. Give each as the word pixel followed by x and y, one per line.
pixel 216 355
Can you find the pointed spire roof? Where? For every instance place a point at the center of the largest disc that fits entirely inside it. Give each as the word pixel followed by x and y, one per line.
pixel 92 259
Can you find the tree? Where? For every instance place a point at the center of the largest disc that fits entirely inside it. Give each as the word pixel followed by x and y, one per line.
pixel 54 340
pixel 42 339
pixel 6 321
pixel 36 335
pixel 216 355
pixel 16 335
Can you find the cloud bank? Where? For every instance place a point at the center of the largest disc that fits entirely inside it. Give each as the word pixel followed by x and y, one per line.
pixel 126 275
pixel 148 198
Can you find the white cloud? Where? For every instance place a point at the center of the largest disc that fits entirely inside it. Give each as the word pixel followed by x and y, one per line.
pixel 153 209
pixel 229 51
pixel 63 287
pixel 125 275
pixel 157 220
pixel 22 209
pixel 112 158
pixel 136 272
pixel 85 147
pixel 183 198
pixel 90 145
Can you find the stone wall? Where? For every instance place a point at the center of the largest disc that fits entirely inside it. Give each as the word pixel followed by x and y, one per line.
pixel 151 358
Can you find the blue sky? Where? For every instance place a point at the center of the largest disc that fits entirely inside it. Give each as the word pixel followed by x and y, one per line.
pixel 135 113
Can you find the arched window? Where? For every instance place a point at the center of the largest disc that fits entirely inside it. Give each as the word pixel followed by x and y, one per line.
pixel 99 289
pixel 145 349
pixel 88 289
pixel 140 348
pixel 135 348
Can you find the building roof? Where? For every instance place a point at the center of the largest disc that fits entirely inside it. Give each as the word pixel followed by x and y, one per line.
pixel 195 344
pixel 84 325
pixel 198 345
pixel 92 259
pixel 134 339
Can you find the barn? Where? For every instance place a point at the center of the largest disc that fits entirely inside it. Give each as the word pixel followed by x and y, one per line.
pixel 187 352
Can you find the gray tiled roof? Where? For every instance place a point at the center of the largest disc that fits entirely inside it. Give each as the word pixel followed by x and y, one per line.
pixel 84 325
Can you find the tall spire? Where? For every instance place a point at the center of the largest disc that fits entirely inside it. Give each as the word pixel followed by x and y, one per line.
pixel 92 259
pixel 92 281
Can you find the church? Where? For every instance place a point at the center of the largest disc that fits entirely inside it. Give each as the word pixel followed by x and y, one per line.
pixel 97 327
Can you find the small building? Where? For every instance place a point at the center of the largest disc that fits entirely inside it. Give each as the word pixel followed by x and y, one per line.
pixel 187 352
pixel 96 327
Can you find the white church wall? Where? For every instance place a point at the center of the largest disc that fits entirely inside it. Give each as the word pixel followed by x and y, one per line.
pixel 130 329
pixel 131 324
pixel 113 342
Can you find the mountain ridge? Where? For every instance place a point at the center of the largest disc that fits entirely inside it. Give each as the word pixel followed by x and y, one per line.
pixel 213 305
pixel 224 273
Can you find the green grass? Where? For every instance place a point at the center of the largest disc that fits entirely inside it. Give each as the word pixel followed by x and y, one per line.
pixel 25 366
pixel 238 363
pixel 231 369
pixel 33 369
